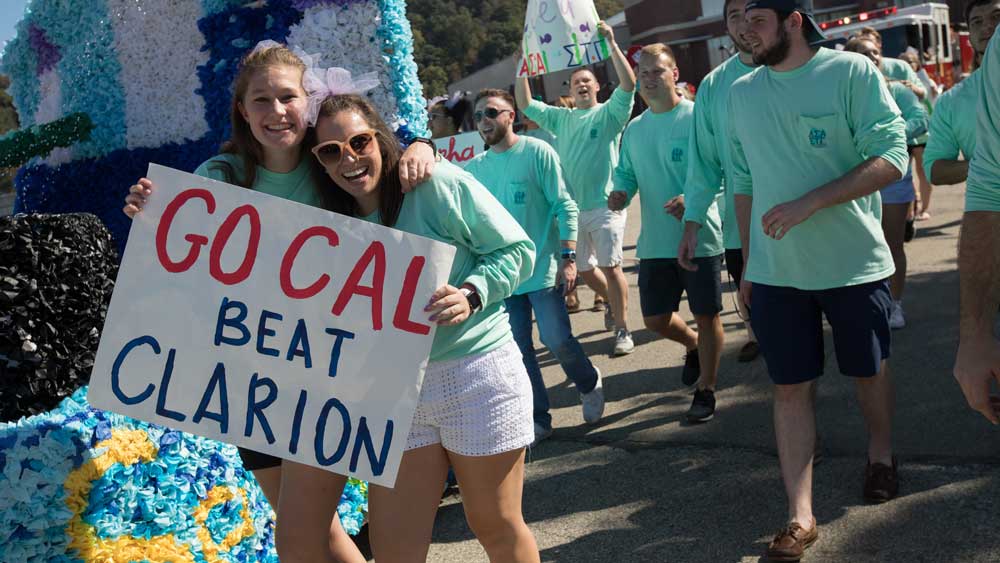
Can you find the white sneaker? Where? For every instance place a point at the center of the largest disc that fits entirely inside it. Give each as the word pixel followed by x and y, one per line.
pixel 623 343
pixel 593 402
pixel 896 318
pixel 609 318
pixel 541 433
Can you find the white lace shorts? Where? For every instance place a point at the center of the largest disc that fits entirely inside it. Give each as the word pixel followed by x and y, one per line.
pixel 478 405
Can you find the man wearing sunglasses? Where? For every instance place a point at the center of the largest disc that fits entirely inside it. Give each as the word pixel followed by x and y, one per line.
pixel 526 176
pixel 587 143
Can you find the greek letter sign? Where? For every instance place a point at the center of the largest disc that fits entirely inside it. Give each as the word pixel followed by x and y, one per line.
pixel 560 35
pixel 269 324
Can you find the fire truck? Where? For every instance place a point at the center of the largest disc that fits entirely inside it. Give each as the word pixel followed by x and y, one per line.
pixel 924 27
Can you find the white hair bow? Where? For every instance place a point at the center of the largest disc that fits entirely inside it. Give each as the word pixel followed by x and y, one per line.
pixel 323 83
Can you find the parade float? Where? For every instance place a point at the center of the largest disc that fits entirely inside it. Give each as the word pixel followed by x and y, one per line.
pixel 103 88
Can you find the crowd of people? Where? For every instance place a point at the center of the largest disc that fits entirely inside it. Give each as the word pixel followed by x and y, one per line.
pixel 792 168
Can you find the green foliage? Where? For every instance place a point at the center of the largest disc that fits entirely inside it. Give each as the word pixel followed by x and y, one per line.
pixel 454 38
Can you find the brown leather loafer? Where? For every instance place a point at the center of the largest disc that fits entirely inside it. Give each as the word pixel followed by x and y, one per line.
pixel 792 542
pixel 881 482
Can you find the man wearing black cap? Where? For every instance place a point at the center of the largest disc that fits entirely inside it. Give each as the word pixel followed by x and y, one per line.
pixel 815 134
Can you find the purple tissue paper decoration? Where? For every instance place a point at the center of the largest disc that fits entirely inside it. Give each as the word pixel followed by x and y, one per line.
pixel 302 5
pixel 48 54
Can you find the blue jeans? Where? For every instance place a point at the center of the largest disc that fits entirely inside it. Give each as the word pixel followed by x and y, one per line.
pixel 554 329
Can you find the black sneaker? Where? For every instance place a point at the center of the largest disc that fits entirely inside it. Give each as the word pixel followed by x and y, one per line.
pixel 881 482
pixel 702 407
pixel 692 368
pixel 910 232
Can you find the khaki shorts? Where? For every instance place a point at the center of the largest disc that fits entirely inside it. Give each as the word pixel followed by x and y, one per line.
pixel 599 239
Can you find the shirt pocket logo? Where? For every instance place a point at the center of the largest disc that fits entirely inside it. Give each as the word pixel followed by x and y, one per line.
pixel 593 133
pixel 678 150
pixel 821 132
pixel 519 198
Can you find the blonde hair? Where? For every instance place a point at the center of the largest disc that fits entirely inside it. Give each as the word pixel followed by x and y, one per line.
pixel 657 49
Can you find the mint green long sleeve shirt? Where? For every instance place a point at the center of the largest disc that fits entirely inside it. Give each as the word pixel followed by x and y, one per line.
pixel 492 252
pixel 527 180
pixel 298 185
pixel 587 143
pixel 914 114
pixel 795 131
pixel 654 161
pixel 897 69
pixel 953 124
pixel 709 158
pixel 982 192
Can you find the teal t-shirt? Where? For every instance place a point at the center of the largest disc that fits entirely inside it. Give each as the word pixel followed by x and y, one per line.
pixel 709 159
pixel 982 192
pixel 587 143
pixel 493 253
pixel 897 69
pixel 654 161
pixel 914 113
pixel 297 185
pixel 953 124
pixel 795 131
pixel 527 180
pixel 541 135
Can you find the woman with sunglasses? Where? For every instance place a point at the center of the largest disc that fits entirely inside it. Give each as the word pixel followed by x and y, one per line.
pixel 271 123
pixel 474 410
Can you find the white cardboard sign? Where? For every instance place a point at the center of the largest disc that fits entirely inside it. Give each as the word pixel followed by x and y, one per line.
pixel 269 324
pixel 560 35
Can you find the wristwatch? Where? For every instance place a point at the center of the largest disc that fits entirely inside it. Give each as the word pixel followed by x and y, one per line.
pixel 475 302
pixel 426 141
pixel 569 255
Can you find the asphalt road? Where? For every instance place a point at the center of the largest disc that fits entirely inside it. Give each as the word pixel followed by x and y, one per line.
pixel 643 485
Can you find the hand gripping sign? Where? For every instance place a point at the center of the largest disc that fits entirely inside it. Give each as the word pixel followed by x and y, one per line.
pixel 271 325
pixel 560 35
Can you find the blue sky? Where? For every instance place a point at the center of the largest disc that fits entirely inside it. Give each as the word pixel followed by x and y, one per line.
pixel 10 13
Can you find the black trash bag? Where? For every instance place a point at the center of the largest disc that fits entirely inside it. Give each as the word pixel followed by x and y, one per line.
pixel 56 277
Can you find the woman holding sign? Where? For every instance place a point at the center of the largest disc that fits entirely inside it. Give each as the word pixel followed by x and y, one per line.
pixel 474 410
pixel 271 121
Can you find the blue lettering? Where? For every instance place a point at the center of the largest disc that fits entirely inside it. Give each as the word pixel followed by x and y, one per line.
pixel 161 398
pixel 255 408
pixel 218 381
pixel 235 322
pixel 299 346
pixel 293 443
pixel 335 353
pixel 364 438
pixel 321 432
pixel 116 387
pixel 264 332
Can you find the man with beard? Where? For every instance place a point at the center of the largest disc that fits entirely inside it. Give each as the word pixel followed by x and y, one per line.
pixel 587 143
pixel 709 161
pixel 805 201
pixel 953 124
pixel 525 175
pixel 653 161
pixel 978 360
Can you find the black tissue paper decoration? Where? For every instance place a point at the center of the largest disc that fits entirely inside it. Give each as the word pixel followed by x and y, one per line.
pixel 57 273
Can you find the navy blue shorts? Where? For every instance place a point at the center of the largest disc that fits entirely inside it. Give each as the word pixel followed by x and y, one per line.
pixel 253 461
pixel 662 282
pixel 788 323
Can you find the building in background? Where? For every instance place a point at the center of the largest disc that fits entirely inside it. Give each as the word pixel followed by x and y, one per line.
pixel 696 32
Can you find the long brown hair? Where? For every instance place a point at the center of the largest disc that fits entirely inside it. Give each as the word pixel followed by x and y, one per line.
pixel 241 141
pixel 391 190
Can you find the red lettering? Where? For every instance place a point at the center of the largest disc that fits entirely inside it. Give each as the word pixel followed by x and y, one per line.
pixel 293 252
pixel 540 64
pixel 467 153
pixel 222 237
pixel 163 229
pixel 376 253
pixel 401 319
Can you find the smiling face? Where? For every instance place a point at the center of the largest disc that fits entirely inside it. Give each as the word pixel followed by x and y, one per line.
pixel 274 106
pixel 769 41
pixel 493 130
pixel 439 122
pixel 583 87
pixel 657 76
pixel 868 48
pixel 736 26
pixel 359 169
